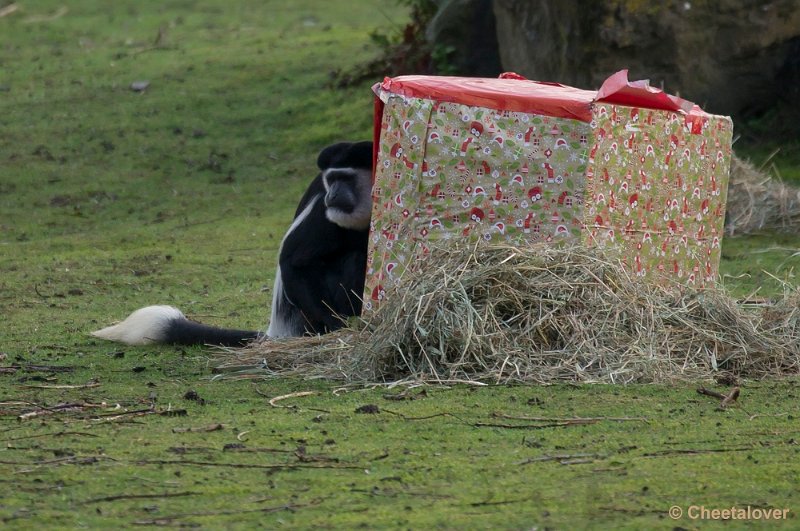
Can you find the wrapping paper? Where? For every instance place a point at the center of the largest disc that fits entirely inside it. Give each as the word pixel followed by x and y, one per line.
pixel 628 168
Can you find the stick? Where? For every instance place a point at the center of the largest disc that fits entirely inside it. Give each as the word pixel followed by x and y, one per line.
pixel 44 410
pixel 168 520
pixel 287 466
pixel 679 451
pixel 522 426
pixel 10 8
pixel 573 420
pixel 726 400
pixel 273 401
pixel 561 458
pixel 57 434
pixel 709 392
pixel 501 502
pixel 256 450
pixel 426 417
pixel 135 412
pixel 42 368
pixel 140 496
pixel 210 427
pixel 83 386
pixel 731 398
pixel 79 459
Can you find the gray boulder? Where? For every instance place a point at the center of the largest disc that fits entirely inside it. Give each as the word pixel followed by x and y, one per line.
pixel 729 56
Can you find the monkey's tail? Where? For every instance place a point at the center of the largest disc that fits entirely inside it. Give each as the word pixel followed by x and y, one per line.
pixel 166 324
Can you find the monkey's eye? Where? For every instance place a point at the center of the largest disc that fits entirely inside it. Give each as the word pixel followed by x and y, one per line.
pixel 341 176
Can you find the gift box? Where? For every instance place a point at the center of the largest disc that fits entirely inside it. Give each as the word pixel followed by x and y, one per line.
pixel 629 168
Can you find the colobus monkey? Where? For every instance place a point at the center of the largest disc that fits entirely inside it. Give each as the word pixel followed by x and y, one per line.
pixel 323 257
pixel 321 264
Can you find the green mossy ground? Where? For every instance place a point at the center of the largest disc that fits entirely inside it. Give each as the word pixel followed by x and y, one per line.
pixel 111 199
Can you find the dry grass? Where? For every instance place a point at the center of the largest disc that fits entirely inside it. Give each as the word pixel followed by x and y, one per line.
pixel 758 201
pixel 498 313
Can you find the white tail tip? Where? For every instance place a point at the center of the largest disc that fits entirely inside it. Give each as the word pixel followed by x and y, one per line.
pixel 144 326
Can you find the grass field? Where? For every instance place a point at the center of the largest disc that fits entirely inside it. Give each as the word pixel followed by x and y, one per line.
pixel 112 198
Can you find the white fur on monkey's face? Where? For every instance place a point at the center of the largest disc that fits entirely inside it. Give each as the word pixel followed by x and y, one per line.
pixel 358 218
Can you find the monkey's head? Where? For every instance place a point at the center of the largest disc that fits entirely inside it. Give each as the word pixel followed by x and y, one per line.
pixel 347 176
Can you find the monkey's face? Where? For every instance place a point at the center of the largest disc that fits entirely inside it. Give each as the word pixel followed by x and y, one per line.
pixel 348 199
pixel 341 192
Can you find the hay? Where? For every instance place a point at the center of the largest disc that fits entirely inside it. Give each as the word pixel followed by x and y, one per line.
pixel 497 313
pixel 757 201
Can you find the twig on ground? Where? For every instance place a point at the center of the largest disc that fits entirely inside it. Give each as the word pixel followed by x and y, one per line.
pixel 756 415
pixel 210 427
pixel 82 386
pixel 57 434
pixel 564 459
pixel 523 426
pixel 709 392
pixel 140 496
pixel 170 520
pixel 274 401
pixel 286 466
pixel 731 398
pixel 45 410
pixel 406 395
pixel 573 420
pixel 426 417
pixel 71 460
pixel 489 503
pixel 37 368
pixel 111 417
pixel 696 451
pixel 257 450
pixel 7 10
pixel 39 293
pixel 726 400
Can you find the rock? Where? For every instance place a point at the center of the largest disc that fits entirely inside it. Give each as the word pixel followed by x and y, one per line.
pixel 729 56
pixel 139 86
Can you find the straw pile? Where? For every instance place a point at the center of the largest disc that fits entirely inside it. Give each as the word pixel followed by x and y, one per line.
pixel 497 313
pixel 757 201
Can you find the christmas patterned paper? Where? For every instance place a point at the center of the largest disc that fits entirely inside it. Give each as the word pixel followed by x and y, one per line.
pixel 452 171
pixel 649 183
pixel 656 185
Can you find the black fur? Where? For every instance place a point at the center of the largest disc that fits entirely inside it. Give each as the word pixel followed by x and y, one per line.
pixel 323 264
pixel 188 332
